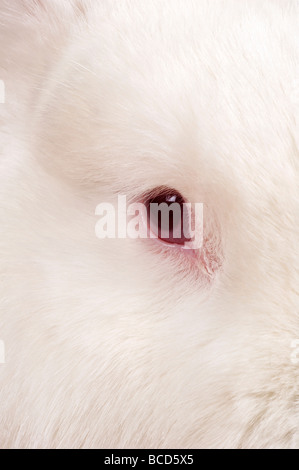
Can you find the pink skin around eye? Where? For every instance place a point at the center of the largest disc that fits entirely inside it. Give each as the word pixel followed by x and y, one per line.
pixel 205 257
pixel 152 236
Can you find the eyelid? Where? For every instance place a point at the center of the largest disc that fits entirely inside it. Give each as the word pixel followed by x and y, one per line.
pixel 160 190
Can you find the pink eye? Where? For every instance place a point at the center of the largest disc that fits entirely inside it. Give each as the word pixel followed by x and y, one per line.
pixel 167 216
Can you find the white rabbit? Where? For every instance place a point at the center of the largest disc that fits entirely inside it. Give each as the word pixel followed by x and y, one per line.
pixel 137 342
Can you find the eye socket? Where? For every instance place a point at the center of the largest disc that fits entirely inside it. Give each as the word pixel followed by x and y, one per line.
pixel 168 216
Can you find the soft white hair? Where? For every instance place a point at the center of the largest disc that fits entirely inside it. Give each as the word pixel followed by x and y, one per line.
pixel 129 343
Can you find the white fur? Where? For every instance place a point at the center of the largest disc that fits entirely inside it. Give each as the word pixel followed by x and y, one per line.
pixel 126 343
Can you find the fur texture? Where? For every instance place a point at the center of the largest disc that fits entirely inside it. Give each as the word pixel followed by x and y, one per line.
pixel 129 343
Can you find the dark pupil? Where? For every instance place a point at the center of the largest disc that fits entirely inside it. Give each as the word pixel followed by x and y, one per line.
pixel 165 215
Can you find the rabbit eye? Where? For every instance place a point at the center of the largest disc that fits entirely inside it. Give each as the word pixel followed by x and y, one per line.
pixel 167 216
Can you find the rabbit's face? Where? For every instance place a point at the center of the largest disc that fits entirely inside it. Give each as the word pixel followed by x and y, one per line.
pixel 143 342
